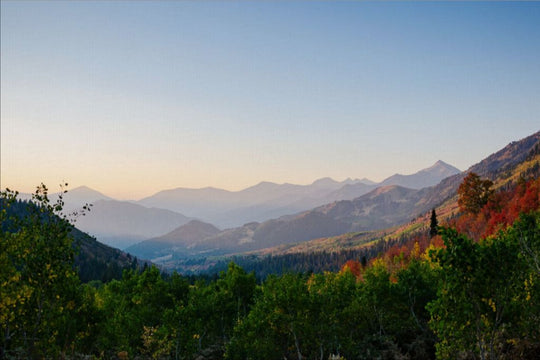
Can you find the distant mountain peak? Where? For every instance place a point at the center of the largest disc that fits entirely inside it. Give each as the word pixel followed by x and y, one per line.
pixel 442 166
pixel 263 184
pixel 192 231
pixel 76 198
pixel 195 222
pixel 423 178
pixel 83 189
pixel 367 181
pixel 325 181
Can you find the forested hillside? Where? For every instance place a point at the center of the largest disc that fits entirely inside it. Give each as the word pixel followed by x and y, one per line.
pixel 93 260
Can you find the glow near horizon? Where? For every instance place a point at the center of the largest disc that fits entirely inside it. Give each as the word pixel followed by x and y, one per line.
pixel 130 98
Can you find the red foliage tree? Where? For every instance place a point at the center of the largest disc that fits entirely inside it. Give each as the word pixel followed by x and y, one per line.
pixel 353 266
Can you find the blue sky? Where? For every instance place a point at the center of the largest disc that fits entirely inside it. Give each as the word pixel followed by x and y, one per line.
pixel 133 97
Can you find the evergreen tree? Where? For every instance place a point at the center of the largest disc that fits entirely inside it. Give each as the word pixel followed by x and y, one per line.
pixel 434 224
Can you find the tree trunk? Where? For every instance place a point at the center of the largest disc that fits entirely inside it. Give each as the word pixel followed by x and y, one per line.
pixel 296 343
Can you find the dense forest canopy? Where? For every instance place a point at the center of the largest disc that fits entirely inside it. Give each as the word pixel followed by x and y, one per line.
pixel 470 292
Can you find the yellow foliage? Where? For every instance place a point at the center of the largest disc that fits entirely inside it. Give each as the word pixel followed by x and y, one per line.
pixel 416 250
pixel 490 303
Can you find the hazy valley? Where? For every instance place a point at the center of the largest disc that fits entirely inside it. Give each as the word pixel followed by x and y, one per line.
pixel 173 226
pixel 263 215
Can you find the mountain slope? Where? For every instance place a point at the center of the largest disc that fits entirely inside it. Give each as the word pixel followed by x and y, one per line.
pixel 256 236
pixel 381 208
pixel 506 158
pixel 121 224
pixel 518 159
pixel 349 192
pixel 93 260
pixel 423 178
pixel 76 198
pixel 97 261
pixel 180 239
pixel 189 233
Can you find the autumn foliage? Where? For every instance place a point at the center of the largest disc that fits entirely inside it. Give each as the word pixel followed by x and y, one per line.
pixel 502 209
pixel 474 193
pixel 353 266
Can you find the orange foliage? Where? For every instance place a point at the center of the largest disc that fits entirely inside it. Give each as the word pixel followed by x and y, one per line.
pixel 437 242
pixel 353 266
pixel 393 252
pixel 501 211
pixel 398 257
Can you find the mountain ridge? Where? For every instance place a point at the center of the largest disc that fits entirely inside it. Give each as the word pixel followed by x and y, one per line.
pixel 255 203
pixel 423 178
pixel 382 207
pixel 121 223
pixel 183 237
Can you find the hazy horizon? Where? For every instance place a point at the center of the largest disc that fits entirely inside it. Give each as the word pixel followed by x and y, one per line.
pixel 53 188
pixel 129 98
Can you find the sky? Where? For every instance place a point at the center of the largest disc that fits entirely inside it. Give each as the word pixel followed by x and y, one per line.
pixel 133 97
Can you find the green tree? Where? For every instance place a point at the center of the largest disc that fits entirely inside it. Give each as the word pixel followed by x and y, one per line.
pixel 331 296
pixel 237 288
pixel 276 327
pixel 379 315
pixel 480 300
pixel 39 292
pixel 169 336
pixel 133 307
pixel 204 324
pixel 416 287
pixel 526 233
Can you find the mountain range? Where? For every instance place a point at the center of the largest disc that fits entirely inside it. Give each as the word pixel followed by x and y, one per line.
pixel 268 200
pixel 519 161
pixel 382 207
pixel 356 206
pixel 125 223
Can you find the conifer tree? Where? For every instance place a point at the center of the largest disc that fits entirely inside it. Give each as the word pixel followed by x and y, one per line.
pixel 434 224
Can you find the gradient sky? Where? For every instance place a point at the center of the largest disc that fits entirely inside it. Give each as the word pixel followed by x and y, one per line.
pixel 134 97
